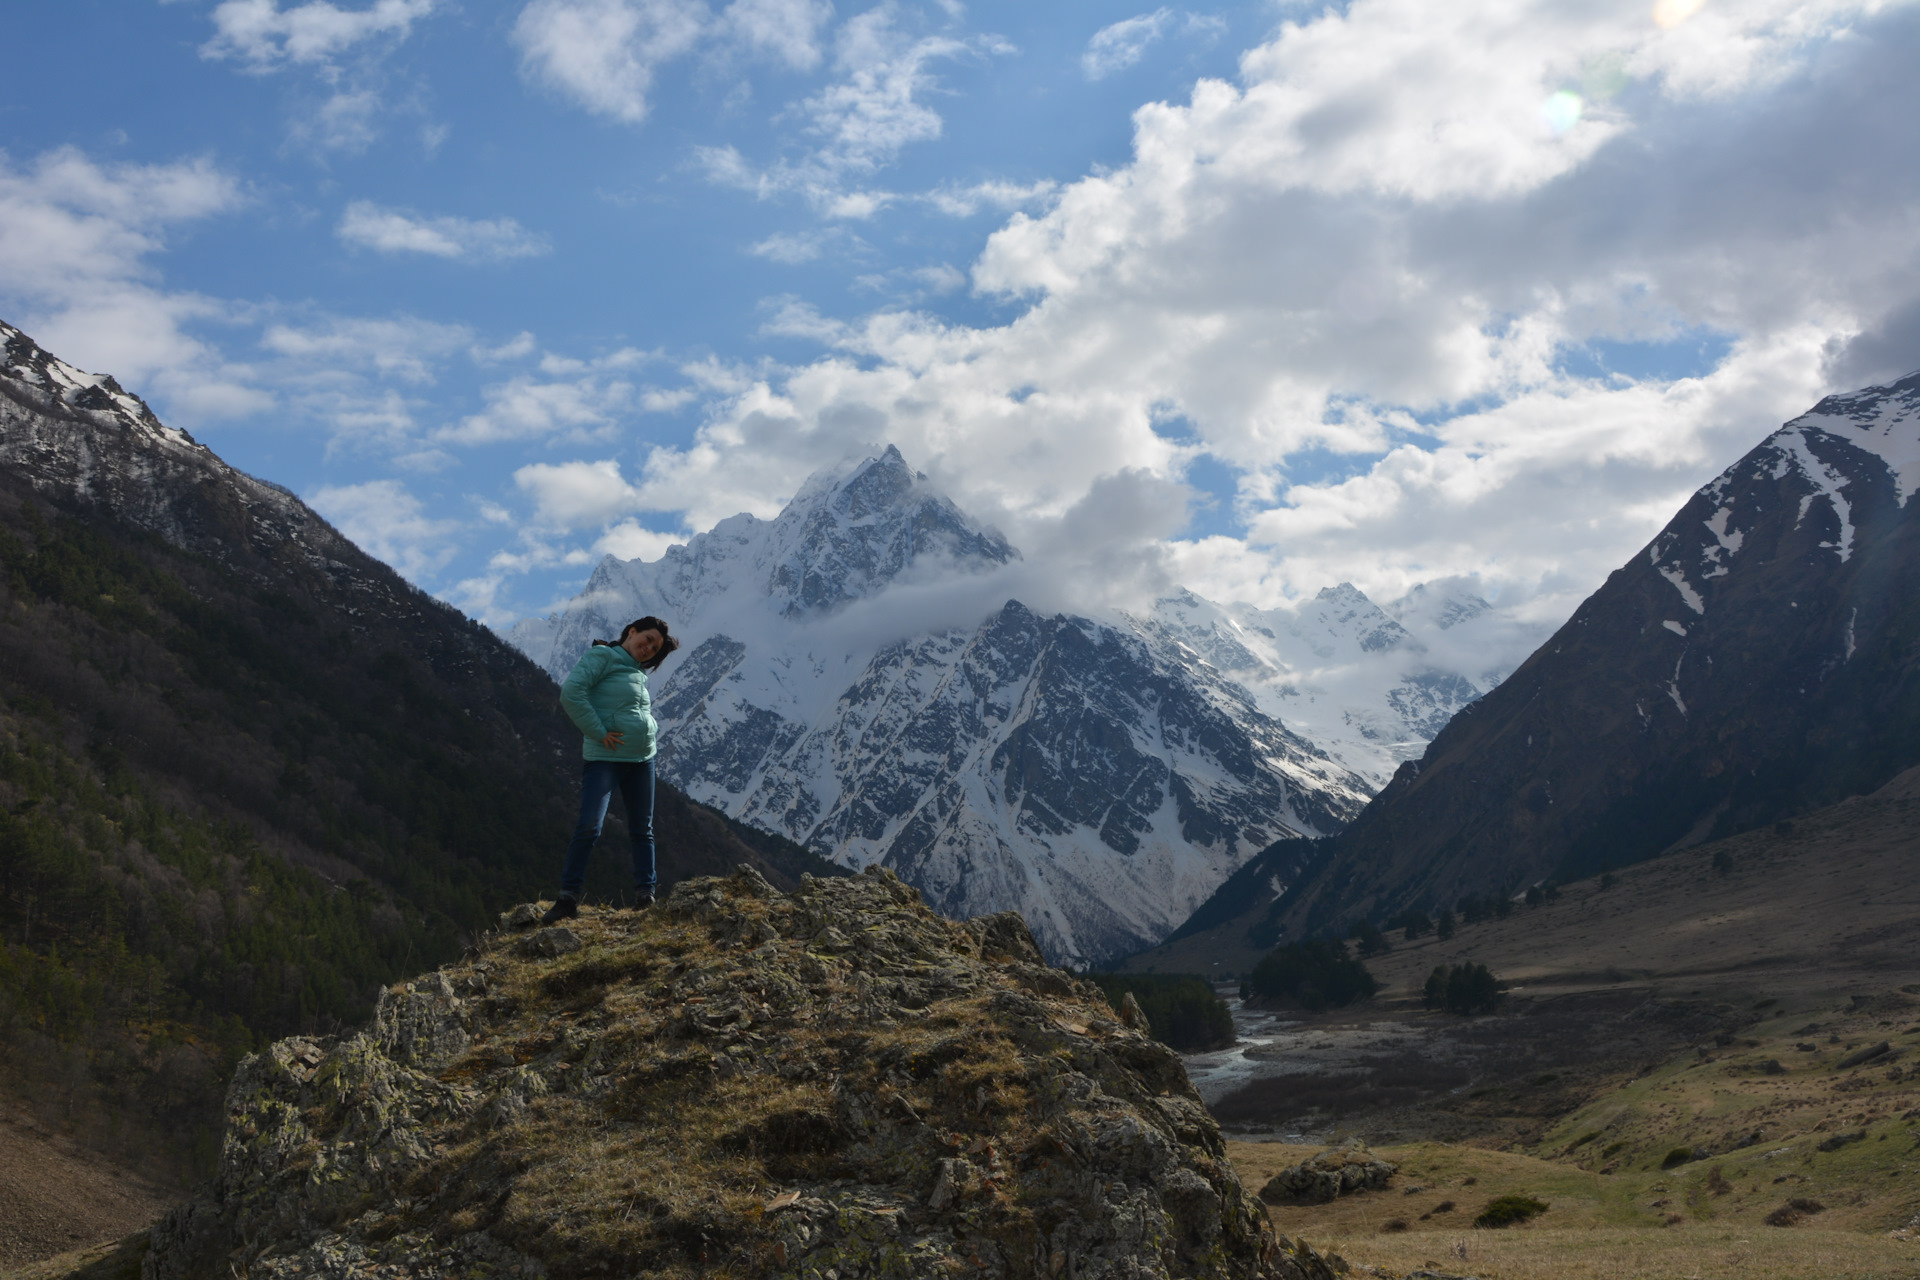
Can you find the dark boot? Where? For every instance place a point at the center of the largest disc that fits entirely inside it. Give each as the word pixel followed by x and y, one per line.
pixel 562 909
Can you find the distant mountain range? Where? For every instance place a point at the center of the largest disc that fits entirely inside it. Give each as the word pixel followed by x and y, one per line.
pixel 858 680
pixel 1758 659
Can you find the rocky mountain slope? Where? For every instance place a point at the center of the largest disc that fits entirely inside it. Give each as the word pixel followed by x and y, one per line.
pixel 832 1082
pixel 860 681
pixel 1758 659
pixel 247 773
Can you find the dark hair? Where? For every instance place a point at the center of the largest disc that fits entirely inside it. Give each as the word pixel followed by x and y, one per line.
pixel 649 623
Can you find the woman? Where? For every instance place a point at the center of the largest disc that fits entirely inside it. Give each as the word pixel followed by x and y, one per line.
pixel 605 695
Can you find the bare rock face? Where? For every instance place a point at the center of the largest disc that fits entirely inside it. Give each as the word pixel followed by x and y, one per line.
pixel 833 1082
pixel 1332 1173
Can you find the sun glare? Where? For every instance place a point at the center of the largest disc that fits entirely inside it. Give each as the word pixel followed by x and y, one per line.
pixel 1562 111
pixel 1671 13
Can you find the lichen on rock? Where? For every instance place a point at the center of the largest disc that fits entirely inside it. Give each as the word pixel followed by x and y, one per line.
pixel 830 1083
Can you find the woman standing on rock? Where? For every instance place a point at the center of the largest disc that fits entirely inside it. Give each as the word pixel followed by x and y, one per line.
pixel 605 695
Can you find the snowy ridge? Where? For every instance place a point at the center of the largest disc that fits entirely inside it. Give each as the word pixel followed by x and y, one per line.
pixel 1882 421
pixel 1340 671
pixel 69 432
pixel 857 679
pixel 1829 460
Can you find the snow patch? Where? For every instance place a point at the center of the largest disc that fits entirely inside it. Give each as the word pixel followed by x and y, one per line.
pixel 1883 421
pixel 1674 627
pixel 1679 580
pixel 1827 483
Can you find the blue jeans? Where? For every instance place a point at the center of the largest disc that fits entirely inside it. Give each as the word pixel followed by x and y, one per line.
pixel 597 780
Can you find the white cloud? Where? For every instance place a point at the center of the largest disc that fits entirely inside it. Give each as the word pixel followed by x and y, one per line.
pixel 568 399
pixel 788 30
pixel 575 494
pixel 790 247
pixel 964 202
pixel 1376 248
pixel 348 121
pixel 910 284
pixel 341 48
pixel 629 540
pixel 530 408
pixel 1119 45
pixel 874 108
pixel 603 53
pixel 404 347
pixel 401 231
pixel 76 242
pixel 520 346
pixel 364 379
pixel 262 35
pixel 389 523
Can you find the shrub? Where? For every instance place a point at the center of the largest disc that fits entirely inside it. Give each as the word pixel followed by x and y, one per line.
pixel 1507 1210
pixel 1614 1149
pixel 1677 1157
pixel 1443 927
pixel 1445 1206
pixel 1395 1224
pixel 1608 879
pixel 1583 1139
pixel 1413 923
pixel 1182 1011
pixel 1723 862
pixel 1792 1211
pixel 1367 934
pixel 1535 896
pixel 1462 989
pixel 1316 974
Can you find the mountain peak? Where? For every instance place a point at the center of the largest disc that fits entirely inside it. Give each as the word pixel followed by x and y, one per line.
pixel 1883 421
pixel 1347 608
pixel 849 533
pixel 1438 604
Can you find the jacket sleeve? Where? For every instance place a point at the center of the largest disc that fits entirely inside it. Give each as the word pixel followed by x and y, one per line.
pixel 573 694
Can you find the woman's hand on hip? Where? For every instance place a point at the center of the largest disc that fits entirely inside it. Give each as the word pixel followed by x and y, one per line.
pixel 614 740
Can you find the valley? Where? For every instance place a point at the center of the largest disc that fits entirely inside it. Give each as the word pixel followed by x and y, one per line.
pixel 1717 1010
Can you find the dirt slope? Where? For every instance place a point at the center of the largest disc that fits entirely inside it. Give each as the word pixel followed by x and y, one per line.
pixel 56 1196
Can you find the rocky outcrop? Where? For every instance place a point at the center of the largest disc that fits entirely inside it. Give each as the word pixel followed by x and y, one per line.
pixel 1328 1175
pixel 834 1082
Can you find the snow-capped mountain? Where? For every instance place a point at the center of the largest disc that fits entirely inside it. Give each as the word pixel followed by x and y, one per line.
pixel 856 678
pixel 1339 670
pixel 81 437
pixel 1756 660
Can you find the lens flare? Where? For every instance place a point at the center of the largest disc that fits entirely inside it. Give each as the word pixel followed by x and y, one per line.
pixel 1671 13
pixel 1562 111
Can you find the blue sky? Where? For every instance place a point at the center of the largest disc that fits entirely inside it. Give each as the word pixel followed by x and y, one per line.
pixel 1255 297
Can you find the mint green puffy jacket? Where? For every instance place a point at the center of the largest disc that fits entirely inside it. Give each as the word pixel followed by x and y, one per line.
pixel 607 690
